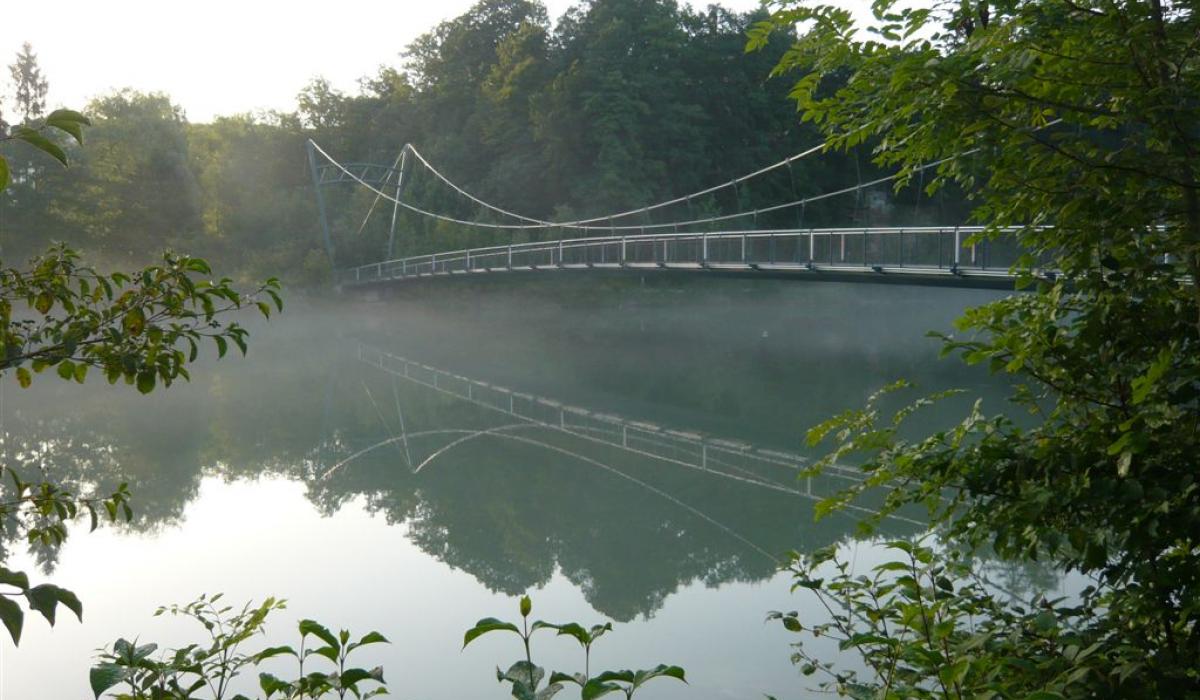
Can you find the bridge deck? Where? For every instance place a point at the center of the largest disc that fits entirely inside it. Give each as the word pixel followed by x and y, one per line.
pixel 944 255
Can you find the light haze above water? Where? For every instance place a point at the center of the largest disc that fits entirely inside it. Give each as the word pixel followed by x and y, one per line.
pixel 619 447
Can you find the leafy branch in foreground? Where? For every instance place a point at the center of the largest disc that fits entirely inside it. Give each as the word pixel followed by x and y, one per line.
pixel 525 676
pixel 65 120
pixel 144 327
pixel 40 512
pixel 1075 122
pixel 208 670
pixel 61 314
pixel 927 626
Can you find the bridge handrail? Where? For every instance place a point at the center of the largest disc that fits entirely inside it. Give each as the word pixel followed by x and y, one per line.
pixel 592 241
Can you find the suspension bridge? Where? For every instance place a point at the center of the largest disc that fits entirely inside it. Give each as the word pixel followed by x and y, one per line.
pixel 953 254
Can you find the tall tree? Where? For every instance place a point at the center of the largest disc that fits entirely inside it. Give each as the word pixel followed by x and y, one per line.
pixel 29 85
pixel 1076 121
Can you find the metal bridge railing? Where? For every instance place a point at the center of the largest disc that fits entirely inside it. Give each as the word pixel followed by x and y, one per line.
pixel 927 249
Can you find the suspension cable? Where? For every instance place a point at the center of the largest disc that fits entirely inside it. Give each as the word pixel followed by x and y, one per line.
pixel 580 223
pixel 587 227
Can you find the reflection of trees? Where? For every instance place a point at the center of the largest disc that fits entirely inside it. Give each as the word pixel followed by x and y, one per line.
pixel 509 513
pixel 627 529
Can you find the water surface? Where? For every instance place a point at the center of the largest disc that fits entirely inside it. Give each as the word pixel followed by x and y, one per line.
pixel 621 448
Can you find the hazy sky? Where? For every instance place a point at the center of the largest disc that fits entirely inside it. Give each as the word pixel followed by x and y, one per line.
pixel 221 56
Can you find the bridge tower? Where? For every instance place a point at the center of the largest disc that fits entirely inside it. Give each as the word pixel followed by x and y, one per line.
pixel 377 176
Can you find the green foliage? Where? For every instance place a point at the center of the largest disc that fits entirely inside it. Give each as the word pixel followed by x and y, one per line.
pixel 63 315
pixel 41 512
pixel 928 626
pixel 614 105
pixel 525 676
pixel 208 669
pixel 144 326
pixel 1075 121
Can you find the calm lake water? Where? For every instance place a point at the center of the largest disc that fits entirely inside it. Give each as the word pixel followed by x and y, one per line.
pixel 620 448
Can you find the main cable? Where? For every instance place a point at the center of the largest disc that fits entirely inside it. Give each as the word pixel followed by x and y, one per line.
pixel 580 225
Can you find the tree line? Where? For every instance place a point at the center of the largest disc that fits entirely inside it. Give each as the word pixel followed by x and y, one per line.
pixel 617 104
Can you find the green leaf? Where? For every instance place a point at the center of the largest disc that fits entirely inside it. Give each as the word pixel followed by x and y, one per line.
pixel 13 618
pixel 105 676
pixel 17 579
pixel 352 676
pixel 68 115
pixel 66 369
pixel 69 121
pixel 72 602
pixel 488 624
pixel 44 599
pixel 145 381
pixel 318 630
pixel 560 677
pixel 370 638
pixel 34 138
pixel 275 651
pixel 43 303
pixel 523 673
pixel 4 176
pixel 596 688
pixel 134 322
pixel 24 378
pixel 660 671
pixel 526 606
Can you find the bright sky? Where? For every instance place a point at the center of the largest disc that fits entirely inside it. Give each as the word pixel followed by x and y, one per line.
pixel 221 56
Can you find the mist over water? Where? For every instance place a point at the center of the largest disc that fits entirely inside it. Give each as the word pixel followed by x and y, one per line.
pixel 315 470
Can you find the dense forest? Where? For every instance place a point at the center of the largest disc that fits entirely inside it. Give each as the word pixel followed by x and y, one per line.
pixel 617 104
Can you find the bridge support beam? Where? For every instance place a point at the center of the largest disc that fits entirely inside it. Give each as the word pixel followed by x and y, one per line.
pixel 316 178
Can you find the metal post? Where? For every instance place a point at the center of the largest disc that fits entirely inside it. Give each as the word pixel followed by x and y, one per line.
pixel 704 247
pixel 743 248
pixel 622 250
pixel 316 178
pixel 510 256
pixel 843 258
pixel 396 204
pixel 957 246
pixel 433 264
pixel 664 257
pixel 560 257
pixel 812 246
pixel 468 265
